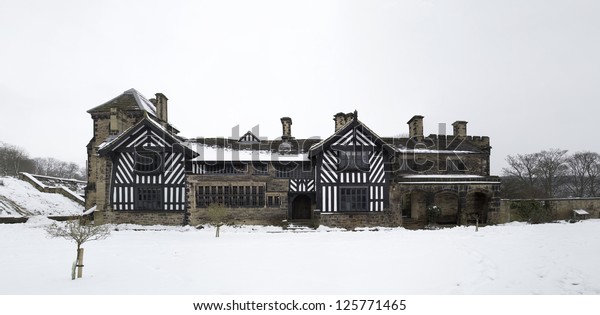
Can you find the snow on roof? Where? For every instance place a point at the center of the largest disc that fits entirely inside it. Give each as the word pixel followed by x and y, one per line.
pixel 211 153
pixel 128 100
pixel 405 150
pixel 581 212
pixel 144 103
pixel 456 176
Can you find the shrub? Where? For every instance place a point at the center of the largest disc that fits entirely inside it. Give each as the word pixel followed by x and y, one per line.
pixel 532 211
pixel 433 212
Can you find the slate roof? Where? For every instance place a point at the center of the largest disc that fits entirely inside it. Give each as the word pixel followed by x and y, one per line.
pixel 129 100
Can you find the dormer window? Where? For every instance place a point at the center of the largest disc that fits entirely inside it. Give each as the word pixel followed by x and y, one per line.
pixel 354 159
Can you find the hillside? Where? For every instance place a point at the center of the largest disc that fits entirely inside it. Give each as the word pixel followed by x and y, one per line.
pixel 19 198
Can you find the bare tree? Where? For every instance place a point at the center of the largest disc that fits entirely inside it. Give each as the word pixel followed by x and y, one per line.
pixel 524 168
pixel 57 168
pixel 79 231
pixel 584 168
pixel 13 159
pixel 552 169
pixel 217 215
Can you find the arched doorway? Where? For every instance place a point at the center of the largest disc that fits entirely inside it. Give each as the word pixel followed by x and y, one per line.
pixel 301 208
pixel 477 206
pixel 448 202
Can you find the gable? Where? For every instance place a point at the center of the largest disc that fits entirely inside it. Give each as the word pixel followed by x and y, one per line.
pixel 249 137
pixel 354 133
pixel 145 134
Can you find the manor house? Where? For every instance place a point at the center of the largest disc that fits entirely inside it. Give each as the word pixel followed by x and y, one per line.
pixel 141 171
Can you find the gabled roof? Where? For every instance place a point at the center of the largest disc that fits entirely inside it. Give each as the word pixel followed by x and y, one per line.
pixel 156 131
pixel 129 100
pixel 353 124
pixel 249 137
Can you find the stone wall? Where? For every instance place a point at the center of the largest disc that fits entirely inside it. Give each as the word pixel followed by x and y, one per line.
pixel 52 190
pixel 239 216
pixel 562 208
pixel 386 218
pixel 141 217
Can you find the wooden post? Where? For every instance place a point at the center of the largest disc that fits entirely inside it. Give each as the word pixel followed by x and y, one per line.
pixel 476 223
pixel 80 263
pixel 73 269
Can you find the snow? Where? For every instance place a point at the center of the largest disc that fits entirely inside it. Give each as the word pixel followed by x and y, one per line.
pixel 211 153
pixel 516 258
pixel 33 179
pixel 19 198
pixel 443 176
pixel 56 178
pixel 581 212
pixel 405 150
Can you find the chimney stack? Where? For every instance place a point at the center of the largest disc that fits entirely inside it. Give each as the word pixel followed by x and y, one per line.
pixel 460 128
pixel 161 107
pixel 415 127
pixel 116 121
pixel 340 120
pixel 286 124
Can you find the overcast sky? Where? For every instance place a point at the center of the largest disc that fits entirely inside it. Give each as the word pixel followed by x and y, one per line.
pixel 525 73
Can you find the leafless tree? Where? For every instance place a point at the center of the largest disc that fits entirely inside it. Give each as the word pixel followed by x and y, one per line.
pixel 584 168
pixel 523 168
pixel 13 160
pixel 552 170
pixel 79 231
pixel 217 215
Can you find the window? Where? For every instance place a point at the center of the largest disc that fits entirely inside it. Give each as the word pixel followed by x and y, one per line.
pixel 353 160
pixel 148 162
pixel 353 199
pixel 260 169
pixel 223 168
pixel 231 196
pixel 273 201
pixel 293 170
pixel 149 198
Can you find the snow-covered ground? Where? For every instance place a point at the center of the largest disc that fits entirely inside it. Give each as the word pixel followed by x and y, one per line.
pixel 19 198
pixel 559 258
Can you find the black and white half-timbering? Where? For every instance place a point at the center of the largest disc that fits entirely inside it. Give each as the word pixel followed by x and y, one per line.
pixel 141 171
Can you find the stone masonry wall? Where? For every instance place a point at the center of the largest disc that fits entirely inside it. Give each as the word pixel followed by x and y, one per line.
pixel 239 216
pixel 141 217
pixel 562 207
pixel 386 218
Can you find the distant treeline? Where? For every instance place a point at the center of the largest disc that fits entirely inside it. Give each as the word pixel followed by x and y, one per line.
pixel 14 159
pixel 552 174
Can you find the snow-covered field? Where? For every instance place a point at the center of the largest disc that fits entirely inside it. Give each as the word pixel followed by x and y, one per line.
pixel 19 198
pixel 559 258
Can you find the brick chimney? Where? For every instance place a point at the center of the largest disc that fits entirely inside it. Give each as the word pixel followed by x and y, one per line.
pixel 415 127
pixel 460 128
pixel 286 124
pixel 161 107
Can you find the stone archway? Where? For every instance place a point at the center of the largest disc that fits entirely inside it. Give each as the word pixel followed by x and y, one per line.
pixel 447 201
pixel 478 204
pixel 301 208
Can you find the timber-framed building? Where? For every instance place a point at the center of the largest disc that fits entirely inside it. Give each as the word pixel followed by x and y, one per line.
pixel 141 171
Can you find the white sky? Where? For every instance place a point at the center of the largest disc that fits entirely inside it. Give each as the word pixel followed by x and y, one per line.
pixel 525 73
